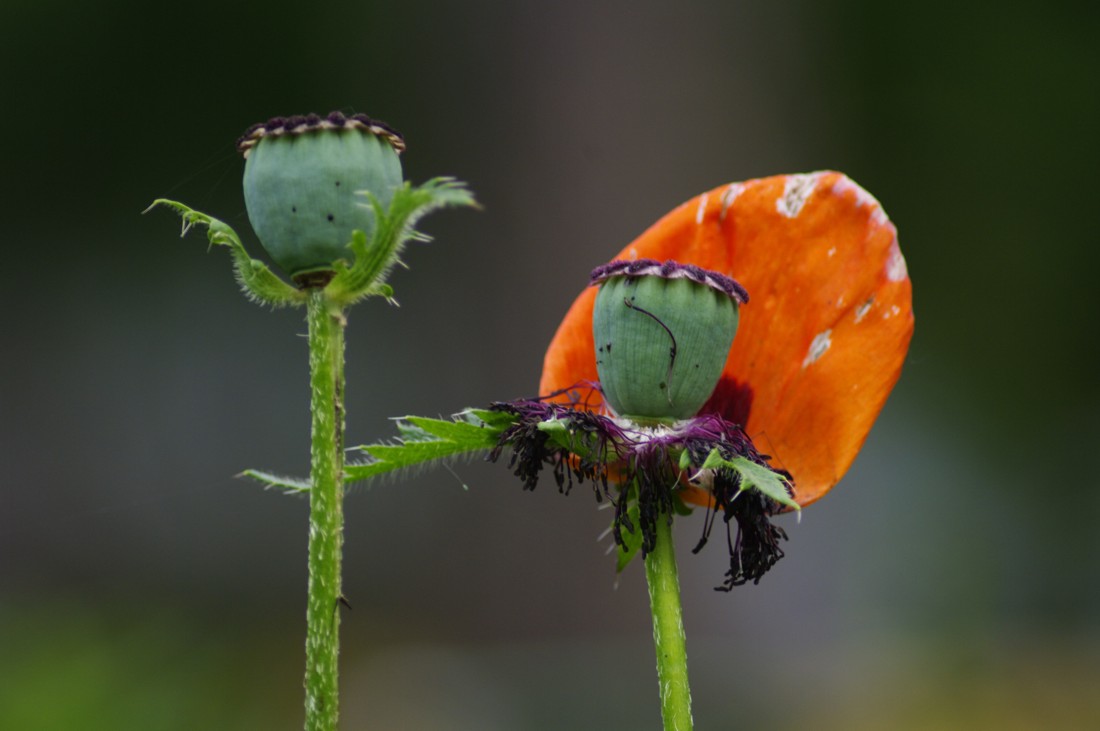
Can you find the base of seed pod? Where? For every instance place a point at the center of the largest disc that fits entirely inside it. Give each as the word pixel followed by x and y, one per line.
pixel 316 279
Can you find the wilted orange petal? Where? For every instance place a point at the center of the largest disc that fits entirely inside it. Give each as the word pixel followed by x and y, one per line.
pixel 823 337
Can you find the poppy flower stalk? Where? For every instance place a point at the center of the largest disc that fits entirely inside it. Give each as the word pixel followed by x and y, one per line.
pixel 326 198
pixel 662 332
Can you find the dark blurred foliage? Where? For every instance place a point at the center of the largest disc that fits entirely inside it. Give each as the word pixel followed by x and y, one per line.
pixel 949 582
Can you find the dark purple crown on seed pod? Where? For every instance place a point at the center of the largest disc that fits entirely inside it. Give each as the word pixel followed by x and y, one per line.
pixel 303 124
pixel 669 270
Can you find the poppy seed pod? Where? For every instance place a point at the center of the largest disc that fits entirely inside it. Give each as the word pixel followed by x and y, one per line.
pixel 303 180
pixel 662 333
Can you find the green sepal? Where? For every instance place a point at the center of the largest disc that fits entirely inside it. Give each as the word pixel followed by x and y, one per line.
pixel 257 281
pixel 753 476
pixel 421 440
pixel 374 257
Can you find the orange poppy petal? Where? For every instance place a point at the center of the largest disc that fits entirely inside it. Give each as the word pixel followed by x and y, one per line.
pixel 822 339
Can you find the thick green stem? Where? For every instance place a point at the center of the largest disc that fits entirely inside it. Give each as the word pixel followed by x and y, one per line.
pixel 668 630
pixel 326 510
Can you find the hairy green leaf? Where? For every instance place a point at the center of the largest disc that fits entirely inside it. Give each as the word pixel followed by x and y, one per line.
pixel 375 257
pixel 291 485
pixel 257 281
pixel 423 440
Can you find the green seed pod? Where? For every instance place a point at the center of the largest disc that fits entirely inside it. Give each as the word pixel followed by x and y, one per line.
pixel 662 333
pixel 302 177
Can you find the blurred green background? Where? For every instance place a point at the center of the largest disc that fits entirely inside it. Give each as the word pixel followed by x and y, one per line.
pixel 952 581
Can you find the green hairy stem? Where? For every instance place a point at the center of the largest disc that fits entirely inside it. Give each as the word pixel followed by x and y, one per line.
pixel 326 511
pixel 668 630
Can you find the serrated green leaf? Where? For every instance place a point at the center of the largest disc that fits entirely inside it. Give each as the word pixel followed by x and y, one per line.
pixel 365 470
pixel 422 440
pixel 257 281
pixel 413 453
pixel 289 484
pixel 500 419
pixel 754 476
pixel 407 432
pixel 375 258
pixel 457 431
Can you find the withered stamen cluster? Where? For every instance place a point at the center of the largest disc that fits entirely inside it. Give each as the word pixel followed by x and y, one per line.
pixel 628 463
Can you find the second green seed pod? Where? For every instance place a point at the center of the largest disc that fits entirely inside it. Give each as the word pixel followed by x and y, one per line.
pixel 662 332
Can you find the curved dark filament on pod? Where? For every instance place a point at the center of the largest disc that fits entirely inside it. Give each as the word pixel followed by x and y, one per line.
pixel 671 351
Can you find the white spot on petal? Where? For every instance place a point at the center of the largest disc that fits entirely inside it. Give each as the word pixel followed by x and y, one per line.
pixel 863 309
pixel 796 191
pixel 831 252
pixel 820 344
pixel 702 212
pixel 728 197
pixel 896 270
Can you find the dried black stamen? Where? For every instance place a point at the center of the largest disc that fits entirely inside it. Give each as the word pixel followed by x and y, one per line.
pixel 756 548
